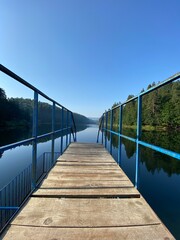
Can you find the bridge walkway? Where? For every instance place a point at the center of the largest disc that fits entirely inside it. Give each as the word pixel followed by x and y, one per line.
pixel 86 196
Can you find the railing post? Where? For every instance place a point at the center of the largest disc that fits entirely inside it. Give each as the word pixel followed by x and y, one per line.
pixel 53 129
pixel 138 137
pixel 102 127
pixel 62 126
pixel 120 132
pixel 106 119
pixel 111 128
pixel 74 131
pixel 67 124
pixel 34 135
pixel 70 125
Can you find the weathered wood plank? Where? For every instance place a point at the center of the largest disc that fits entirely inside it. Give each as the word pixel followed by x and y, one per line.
pixel 155 232
pixel 94 164
pixel 85 145
pixel 86 156
pixel 55 212
pixel 85 161
pixel 82 171
pixel 108 171
pixel 86 167
pixel 90 163
pixel 58 183
pixel 87 176
pixel 88 193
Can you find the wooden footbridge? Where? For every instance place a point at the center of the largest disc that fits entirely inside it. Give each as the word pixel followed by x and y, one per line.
pixel 86 195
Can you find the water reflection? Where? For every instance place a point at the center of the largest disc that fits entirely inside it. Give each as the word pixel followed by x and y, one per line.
pixel 159 174
pixel 152 159
pixel 13 161
pixel 8 136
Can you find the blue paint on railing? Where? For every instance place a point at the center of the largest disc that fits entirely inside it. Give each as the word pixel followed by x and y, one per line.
pixel 9 208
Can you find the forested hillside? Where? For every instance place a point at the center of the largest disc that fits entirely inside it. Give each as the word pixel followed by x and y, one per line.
pixel 159 108
pixel 18 112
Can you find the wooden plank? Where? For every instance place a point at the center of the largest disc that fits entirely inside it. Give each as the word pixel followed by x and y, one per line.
pixel 87 176
pixel 82 171
pixel 88 193
pixel 85 145
pixel 85 159
pixel 79 163
pixel 55 212
pixel 88 156
pixel 54 183
pixel 87 153
pixel 86 167
pixel 103 161
pixel 89 169
pixel 155 232
pixel 90 149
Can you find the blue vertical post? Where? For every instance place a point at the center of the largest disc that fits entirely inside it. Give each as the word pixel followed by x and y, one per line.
pixel 34 135
pixel 67 124
pixel 73 125
pixel 70 125
pixel 102 128
pixel 111 128
pixel 138 137
pixel 105 132
pixel 120 132
pixel 75 132
pixel 53 129
pixel 62 126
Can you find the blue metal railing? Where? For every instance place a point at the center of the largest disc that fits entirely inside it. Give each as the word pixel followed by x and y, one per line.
pixel 103 127
pixel 26 182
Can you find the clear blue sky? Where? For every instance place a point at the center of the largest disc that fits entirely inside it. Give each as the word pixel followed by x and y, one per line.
pixel 88 54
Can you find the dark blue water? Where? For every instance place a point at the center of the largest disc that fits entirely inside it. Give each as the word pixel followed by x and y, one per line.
pixel 159 176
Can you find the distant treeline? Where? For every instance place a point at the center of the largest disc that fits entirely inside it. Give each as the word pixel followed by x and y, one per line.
pixel 19 111
pixel 160 108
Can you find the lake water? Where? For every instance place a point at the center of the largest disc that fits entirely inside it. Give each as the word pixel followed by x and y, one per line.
pixel 159 176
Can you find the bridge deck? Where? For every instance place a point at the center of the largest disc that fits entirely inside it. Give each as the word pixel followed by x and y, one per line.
pixel 86 196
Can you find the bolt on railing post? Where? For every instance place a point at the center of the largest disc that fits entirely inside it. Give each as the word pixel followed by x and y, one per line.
pixel 106 119
pixel 34 135
pixel 138 137
pixel 120 132
pixel 62 126
pixel 53 129
pixel 111 128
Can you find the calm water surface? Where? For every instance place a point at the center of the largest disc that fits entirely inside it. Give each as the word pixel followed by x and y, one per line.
pixel 159 177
